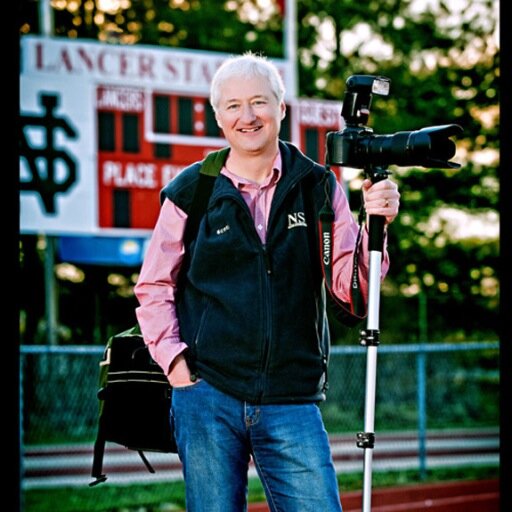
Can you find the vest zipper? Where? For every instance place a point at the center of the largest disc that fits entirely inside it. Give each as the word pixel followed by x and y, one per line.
pixel 268 320
pixel 266 258
pixel 267 272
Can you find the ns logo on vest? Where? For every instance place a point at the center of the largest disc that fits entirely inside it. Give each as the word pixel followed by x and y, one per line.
pixel 296 220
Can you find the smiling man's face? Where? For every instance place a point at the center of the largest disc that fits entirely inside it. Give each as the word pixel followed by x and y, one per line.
pixel 250 115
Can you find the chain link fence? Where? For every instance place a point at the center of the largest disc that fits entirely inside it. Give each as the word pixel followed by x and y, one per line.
pixel 459 383
pixel 422 389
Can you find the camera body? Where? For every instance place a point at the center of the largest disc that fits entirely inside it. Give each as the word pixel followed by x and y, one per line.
pixel 357 146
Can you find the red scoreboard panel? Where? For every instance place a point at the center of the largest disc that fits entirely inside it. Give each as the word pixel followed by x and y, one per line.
pixel 315 119
pixel 137 154
pixel 145 138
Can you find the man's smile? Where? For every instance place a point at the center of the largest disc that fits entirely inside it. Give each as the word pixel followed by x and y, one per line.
pixel 250 130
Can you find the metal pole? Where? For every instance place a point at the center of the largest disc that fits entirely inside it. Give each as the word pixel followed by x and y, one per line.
pixel 290 55
pixel 50 291
pixel 290 40
pixel 21 414
pixel 371 375
pixel 422 386
pixel 370 338
pixel 45 18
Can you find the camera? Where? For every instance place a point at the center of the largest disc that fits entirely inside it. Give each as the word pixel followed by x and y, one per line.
pixel 357 146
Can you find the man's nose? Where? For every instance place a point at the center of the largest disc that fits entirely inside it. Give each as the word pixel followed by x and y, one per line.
pixel 248 113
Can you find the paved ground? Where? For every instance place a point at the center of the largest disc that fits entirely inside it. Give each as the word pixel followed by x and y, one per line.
pixel 58 466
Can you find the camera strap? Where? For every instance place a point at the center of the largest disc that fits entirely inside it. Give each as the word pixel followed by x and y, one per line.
pixel 326 217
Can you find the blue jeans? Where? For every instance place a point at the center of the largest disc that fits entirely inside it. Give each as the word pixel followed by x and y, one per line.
pixel 216 435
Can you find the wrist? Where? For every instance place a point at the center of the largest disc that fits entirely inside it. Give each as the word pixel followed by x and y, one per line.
pixel 176 362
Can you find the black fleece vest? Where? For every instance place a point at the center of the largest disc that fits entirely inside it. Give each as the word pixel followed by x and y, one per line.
pixel 253 314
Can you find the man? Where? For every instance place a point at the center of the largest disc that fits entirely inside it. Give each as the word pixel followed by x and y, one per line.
pixel 244 338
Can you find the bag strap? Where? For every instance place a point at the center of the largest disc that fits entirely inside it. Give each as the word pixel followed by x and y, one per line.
pixel 97 462
pixel 146 461
pixel 209 171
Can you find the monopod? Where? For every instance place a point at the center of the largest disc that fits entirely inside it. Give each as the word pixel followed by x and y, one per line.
pixel 370 339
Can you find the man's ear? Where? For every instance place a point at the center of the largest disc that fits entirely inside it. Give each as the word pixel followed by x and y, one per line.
pixel 283 110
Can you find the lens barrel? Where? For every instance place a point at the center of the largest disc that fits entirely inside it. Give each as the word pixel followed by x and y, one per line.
pixel 427 147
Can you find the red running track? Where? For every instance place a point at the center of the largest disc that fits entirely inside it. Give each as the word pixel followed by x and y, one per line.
pixel 465 496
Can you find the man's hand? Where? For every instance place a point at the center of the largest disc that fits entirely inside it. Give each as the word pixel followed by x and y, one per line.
pixel 179 373
pixel 381 198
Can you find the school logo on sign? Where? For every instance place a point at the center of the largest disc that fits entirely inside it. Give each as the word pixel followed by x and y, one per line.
pixel 51 169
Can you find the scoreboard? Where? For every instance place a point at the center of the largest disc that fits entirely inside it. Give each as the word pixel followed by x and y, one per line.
pixel 105 127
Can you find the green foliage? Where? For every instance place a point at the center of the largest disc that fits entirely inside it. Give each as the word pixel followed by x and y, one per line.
pixel 436 79
pixel 194 24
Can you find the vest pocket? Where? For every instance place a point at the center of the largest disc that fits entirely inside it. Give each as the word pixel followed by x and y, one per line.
pixel 202 324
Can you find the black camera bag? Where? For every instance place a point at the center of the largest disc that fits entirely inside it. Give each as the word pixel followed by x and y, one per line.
pixel 135 401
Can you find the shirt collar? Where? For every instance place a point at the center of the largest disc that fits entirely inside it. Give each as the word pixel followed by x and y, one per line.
pixel 273 178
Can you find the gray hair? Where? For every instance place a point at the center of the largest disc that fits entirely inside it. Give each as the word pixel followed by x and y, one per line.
pixel 247 65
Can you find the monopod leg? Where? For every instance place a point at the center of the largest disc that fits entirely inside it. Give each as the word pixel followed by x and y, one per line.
pixel 370 339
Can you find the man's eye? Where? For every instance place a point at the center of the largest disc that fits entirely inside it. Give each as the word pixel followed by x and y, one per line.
pixel 234 106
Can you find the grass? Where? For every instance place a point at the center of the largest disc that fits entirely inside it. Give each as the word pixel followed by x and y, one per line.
pixel 167 497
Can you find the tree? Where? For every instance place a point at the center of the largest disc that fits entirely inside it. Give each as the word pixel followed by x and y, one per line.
pixel 236 25
pixel 443 62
